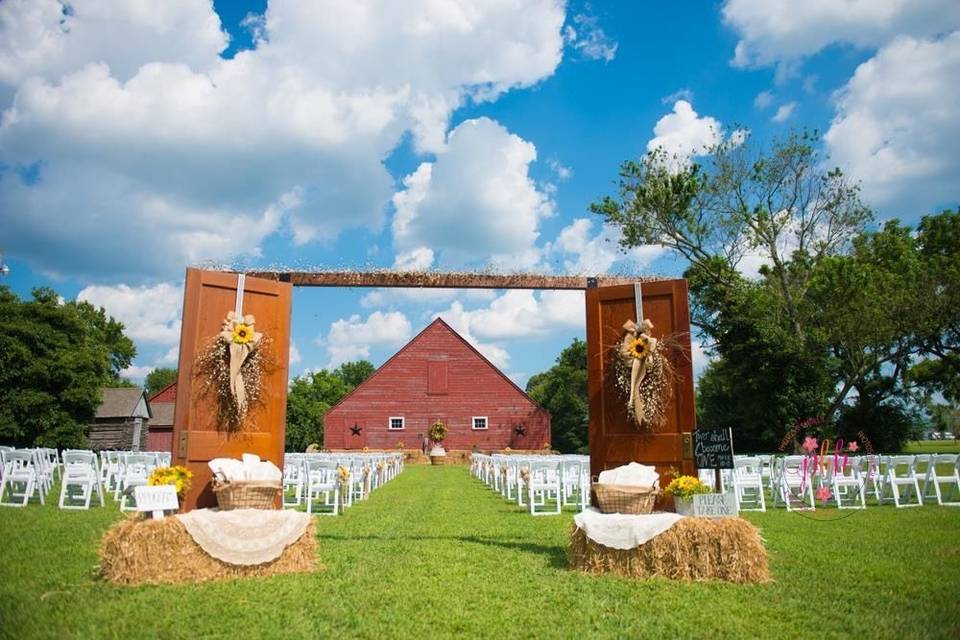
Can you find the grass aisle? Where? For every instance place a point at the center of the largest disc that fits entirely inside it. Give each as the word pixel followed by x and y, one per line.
pixel 435 553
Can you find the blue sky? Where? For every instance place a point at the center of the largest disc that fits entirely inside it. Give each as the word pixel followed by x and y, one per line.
pixel 139 138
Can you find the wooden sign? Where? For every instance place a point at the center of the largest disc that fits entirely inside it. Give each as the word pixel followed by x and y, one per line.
pixel 713 448
pixel 156 499
pixel 715 505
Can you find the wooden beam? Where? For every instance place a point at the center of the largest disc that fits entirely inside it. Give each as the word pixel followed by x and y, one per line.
pixel 437 280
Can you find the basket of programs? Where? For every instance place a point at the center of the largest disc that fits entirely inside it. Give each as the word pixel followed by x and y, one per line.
pixel 246 484
pixel 630 489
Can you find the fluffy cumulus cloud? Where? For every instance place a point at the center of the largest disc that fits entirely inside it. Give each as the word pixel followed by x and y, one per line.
pixel 353 338
pixel 784 31
pixel 150 314
pixel 682 133
pixel 475 202
pixel 586 252
pixel 121 114
pixel 896 127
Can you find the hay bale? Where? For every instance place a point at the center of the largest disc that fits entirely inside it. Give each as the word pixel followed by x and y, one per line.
pixel 138 551
pixel 693 549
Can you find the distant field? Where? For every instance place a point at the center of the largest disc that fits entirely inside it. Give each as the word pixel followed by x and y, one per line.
pixel 932 446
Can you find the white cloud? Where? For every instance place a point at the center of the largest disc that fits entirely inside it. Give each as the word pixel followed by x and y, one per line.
pixel 562 172
pixel 587 37
pixel 136 373
pixel 896 127
pixel 419 259
pixel 784 31
pixel 202 157
pixel 763 100
pixel 150 314
pixel 519 313
pixel 352 338
pixel 295 357
pixel 585 253
pixel 685 94
pixel 784 112
pixel 475 201
pixel 683 133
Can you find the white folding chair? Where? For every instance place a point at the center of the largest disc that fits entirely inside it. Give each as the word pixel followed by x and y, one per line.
pixel 935 480
pixel 748 484
pixel 902 477
pixel 543 486
pixel 796 483
pixel 323 486
pixel 846 481
pixel 293 480
pixel 20 472
pixel 136 470
pixel 80 469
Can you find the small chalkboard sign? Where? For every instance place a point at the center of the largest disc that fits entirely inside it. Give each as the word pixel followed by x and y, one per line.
pixel 713 448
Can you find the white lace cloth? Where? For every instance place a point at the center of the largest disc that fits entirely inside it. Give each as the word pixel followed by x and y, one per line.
pixel 244 536
pixel 621 531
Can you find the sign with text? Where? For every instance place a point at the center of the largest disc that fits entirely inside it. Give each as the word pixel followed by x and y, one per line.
pixel 713 448
pixel 156 499
pixel 715 505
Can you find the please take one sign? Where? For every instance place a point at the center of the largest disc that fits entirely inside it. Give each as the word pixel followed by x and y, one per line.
pixel 156 499
pixel 715 505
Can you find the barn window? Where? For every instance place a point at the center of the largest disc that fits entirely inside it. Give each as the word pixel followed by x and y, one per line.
pixel 396 424
pixel 479 423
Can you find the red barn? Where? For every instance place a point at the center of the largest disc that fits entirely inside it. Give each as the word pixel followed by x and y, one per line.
pixel 437 376
pixel 162 404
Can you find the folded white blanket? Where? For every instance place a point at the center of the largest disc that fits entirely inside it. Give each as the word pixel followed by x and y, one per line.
pixel 633 474
pixel 250 468
pixel 621 531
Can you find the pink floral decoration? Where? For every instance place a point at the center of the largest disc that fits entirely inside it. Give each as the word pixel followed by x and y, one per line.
pixel 853 446
pixel 823 494
pixel 810 444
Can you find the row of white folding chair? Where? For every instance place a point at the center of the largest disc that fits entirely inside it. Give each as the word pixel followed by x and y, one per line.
pixel 315 478
pixel 24 476
pixel 536 480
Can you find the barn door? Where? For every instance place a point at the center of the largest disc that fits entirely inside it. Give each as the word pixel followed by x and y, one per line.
pixel 614 438
pixel 208 297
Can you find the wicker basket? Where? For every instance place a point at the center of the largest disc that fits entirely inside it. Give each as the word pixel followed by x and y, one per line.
pixel 246 494
pixel 618 498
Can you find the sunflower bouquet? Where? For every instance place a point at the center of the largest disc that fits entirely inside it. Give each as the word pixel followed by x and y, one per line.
pixel 643 374
pixel 685 487
pixel 177 475
pixel 232 367
pixel 438 432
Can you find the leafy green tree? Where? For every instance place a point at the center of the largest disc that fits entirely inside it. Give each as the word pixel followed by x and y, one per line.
pixel 54 358
pixel 562 390
pixel 310 396
pixel 835 310
pixel 158 379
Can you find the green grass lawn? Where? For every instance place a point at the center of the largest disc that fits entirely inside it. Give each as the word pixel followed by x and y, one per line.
pixel 437 554
pixel 932 446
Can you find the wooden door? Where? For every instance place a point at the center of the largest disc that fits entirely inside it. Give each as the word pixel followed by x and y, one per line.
pixel 614 438
pixel 208 297
pixel 356 433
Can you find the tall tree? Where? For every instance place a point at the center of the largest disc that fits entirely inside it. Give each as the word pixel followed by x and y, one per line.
pixel 562 390
pixel 54 358
pixel 158 379
pixel 833 311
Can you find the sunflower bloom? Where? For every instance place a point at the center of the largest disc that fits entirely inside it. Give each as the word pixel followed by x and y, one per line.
pixel 639 347
pixel 242 334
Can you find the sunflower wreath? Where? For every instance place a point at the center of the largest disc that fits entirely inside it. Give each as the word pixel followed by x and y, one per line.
pixel 232 367
pixel 644 374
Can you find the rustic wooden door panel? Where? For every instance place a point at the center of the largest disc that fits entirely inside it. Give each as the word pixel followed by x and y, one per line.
pixel 208 297
pixel 614 439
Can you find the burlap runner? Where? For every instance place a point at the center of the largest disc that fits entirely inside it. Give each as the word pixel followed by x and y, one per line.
pixel 244 536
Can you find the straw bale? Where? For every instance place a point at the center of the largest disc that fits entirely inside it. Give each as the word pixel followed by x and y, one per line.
pixel 146 551
pixel 728 549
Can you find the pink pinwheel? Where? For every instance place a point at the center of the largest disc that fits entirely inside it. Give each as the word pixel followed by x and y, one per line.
pixel 823 494
pixel 853 446
pixel 810 444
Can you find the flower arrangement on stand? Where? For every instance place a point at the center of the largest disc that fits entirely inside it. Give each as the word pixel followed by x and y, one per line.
pixel 178 476
pixel 437 434
pixel 683 489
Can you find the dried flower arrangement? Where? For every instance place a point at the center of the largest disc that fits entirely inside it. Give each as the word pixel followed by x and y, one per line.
pixel 232 367
pixel 644 374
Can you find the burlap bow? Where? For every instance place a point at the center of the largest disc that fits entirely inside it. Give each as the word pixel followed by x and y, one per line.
pixel 238 332
pixel 638 366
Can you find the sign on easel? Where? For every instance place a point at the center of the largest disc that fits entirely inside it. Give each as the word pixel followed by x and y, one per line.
pixel 715 505
pixel 156 499
pixel 713 448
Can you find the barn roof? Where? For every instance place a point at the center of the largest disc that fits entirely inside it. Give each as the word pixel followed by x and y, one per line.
pixel 167 389
pixel 438 321
pixel 120 402
pixel 162 414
